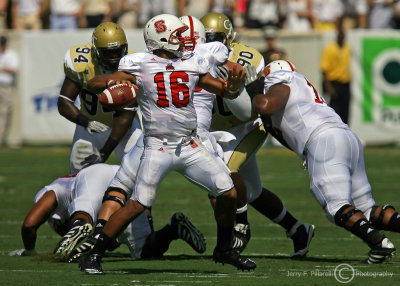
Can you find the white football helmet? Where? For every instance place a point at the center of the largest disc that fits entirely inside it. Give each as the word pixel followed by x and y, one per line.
pixel 279 65
pixel 196 29
pixel 164 32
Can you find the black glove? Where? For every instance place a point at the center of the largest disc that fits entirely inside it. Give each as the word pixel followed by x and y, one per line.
pixel 93 159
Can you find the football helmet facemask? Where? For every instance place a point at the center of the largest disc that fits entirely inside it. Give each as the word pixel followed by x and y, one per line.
pixel 196 29
pixel 278 65
pixel 218 27
pixel 165 32
pixel 109 45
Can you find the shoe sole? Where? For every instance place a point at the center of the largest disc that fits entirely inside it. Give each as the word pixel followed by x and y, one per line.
pixel 303 252
pixel 192 234
pixel 67 244
pixel 74 257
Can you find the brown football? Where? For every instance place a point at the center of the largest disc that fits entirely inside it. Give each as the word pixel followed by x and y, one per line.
pixel 118 96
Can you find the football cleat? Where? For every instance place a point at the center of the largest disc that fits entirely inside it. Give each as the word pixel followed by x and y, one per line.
pixel 84 248
pixel 241 236
pixel 232 256
pixel 301 233
pixel 75 235
pixel 91 264
pixel 381 251
pixel 188 232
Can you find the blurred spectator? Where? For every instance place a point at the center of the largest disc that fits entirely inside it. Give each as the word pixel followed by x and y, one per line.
pixel 263 13
pixel 9 62
pixel 354 14
pixel 194 8
pixel 222 6
pixel 327 14
pixel 3 14
pixel 239 14
pixel 272 53
pixel 298 15
pixel 396 16
pixel 64 14
pixel 151 8
pixel 127 13
pixel 26 14
pixel 336 74
pixel 381 14
pixel 95 12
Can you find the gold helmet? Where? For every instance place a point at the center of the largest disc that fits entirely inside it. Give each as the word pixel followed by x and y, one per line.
pixel 218 28
pixel 109 45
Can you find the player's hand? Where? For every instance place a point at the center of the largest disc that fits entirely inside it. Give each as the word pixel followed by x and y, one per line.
pixel 251 74
pixel 234 82
pixel 22 252
pixel 97 127
pixel 223 72
pixel 92 159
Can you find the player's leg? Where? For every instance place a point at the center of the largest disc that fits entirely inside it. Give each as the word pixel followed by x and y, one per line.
pixel 153 166
pixel 270 205
pixel 209 171
pixel 89 189
pixel 331 184
pixel 178 227
pixel 114 198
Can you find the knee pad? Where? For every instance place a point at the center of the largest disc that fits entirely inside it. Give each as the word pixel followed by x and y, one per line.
pixel 382 219
pixel 108 197
pixel 341 218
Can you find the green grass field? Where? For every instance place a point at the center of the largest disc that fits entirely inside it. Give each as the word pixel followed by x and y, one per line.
pixel 23 172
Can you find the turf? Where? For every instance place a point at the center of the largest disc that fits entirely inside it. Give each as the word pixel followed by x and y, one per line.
pixel 25 171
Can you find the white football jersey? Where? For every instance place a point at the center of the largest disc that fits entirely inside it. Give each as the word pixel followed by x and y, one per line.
pixel 166 91
pixel 217 54
pixel 63 188
pixel 304 113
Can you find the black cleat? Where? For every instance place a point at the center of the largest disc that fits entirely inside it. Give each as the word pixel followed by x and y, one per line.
pixel 301 234
pixel 83 249
pixel 232 256
pixel 381 251
pixel 188 232
pixel 91 264
pixel 241 236
pixel 69 241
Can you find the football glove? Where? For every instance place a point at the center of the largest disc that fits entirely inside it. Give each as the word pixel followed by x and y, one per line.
pixel 251 74
pixel 93 159
pixel 97 127
pixel 223 72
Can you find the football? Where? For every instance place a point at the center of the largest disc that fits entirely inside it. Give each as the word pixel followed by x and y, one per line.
pixel 118 96
pixel 235 67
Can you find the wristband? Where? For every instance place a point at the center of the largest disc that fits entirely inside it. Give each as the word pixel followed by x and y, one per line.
pixel 82 120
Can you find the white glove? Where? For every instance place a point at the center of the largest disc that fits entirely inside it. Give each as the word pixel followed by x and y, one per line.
pixel 223 72
pixel 251 74
pixel 97 127
pixel 22 252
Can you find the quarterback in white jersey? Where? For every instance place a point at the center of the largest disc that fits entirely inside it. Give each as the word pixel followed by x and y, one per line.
pixel 333 153
pixel 166 84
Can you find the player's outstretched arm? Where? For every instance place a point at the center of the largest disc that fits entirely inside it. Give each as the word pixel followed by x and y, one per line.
pixel 39 214
pixel 101 82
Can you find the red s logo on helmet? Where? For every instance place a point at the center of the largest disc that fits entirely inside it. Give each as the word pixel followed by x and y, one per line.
pixel 267 70
pixel 160 26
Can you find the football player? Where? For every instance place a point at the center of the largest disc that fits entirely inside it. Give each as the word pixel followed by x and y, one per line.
pixel 333 153
pixel 166 83
pixel 247 136
pixel 99 131
pixel 76 199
